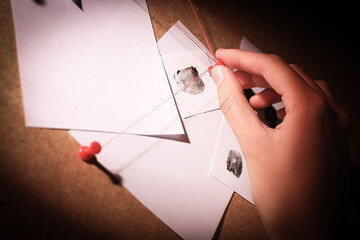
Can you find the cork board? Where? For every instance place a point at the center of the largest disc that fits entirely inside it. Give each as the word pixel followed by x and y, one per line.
pixel 47 192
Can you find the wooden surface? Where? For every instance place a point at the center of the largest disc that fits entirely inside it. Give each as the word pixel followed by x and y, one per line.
pixel 48 193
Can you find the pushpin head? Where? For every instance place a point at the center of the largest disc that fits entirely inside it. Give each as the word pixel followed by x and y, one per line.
pixel 209 69
pixel 86 153
pixel 95 147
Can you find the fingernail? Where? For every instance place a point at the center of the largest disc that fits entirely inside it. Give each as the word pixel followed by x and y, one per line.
pixel 217 75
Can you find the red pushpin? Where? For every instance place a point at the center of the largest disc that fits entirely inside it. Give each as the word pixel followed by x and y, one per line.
pixel 86 153
pixel 219 62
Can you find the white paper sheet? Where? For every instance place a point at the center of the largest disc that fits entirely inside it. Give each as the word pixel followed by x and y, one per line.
pixel 96 69
pixel 175 41
pixel 183 62
pixel 171 177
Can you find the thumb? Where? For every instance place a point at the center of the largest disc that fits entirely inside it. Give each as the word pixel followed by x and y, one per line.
pixel 233 103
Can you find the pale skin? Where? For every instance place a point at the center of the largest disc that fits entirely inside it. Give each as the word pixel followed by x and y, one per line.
pixel 293 168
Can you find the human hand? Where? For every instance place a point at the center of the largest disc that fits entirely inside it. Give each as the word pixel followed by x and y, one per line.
pixel 293 168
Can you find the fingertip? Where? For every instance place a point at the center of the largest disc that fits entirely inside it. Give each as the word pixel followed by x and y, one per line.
pixel 217 74
pixel 325 88
pixel 227 52
pixel 254 101
pixel 218 52
pixel 221 72
pixel 294 66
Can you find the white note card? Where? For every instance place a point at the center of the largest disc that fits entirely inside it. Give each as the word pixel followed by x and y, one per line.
pixel 96 68
pixel 187 68
pixel 228 165
pixel 171 178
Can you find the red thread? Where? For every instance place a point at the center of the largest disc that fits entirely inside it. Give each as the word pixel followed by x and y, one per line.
pixel 197 19
pixel 87 153
pixel 196 43
pixel 183 30
pixel 219 62
pixel 152 110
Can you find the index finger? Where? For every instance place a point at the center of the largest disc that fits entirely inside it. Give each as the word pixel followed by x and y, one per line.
pixel 277 73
